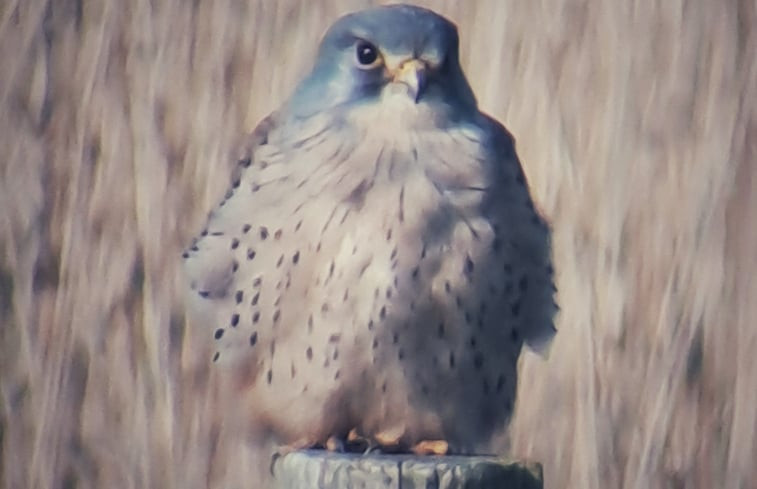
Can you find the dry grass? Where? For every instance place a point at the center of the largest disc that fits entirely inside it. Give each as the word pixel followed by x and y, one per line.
pixel 637 125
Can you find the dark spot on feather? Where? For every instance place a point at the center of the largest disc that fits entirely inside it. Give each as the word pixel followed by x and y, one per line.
pixel 276 316
pixel 375 343
pixel 382 313
pixel 472 342
pixel 297 227
pixel 263 233
pixel 500 382
pixel 250 254
pixel 204 294
pixel 395 338
pixel 280 261
pixel 370 324
pixel 254 338
pixel 234 266
pixel 217 233
pixel 523 283
pixel 269 376
pixel 239 296
pixel 245 162
pixel 388 292
pixel 246 228
pixel 468 268
pixel 255 299
pixel 357 195
pixel 185 255
pixel 296 257
pixel 514 335
pixel 336 375
pixel 234 320
pixel 486 387
pixel 478 360
pixel 216 356
pixel 515 308
pixel 440 331
pixel 254 187
pixel 496 245
pixel 218 334
pixel 309 353
pixel 334 338
pixel 277 234
pixel 451 360
pixel 310 323
pixel 447 286
pixel 401 354
pixel 255 317
pixel 389 234
pixel 415 272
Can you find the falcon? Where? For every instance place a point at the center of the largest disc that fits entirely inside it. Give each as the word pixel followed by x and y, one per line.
pixel 377 264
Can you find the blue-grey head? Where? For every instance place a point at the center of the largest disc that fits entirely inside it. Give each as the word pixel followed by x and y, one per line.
pixel 398 49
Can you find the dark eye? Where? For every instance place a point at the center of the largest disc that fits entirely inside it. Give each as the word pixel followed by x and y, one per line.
pixel 367 54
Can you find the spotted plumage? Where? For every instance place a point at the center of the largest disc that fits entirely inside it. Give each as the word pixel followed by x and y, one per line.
pixel 378 263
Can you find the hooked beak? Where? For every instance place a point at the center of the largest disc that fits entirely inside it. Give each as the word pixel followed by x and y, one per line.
pixel 411 73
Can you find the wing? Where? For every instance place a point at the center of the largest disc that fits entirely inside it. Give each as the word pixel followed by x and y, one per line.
pixel 525 237
pixel 213 258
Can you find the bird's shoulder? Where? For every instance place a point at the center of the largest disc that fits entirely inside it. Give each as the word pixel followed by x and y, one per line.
pixel 258 137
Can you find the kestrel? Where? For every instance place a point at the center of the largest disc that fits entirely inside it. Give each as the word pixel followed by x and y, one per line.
pixel 378 263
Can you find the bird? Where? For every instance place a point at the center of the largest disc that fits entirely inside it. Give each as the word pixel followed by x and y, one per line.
pixel 378 263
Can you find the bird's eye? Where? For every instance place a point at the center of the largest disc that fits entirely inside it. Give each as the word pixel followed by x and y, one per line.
pixel 367 54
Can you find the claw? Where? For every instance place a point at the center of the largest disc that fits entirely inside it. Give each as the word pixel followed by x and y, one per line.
pixel 335 444
pixel 431 447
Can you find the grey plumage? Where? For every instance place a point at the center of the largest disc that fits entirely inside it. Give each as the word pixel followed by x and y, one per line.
pixel 379 263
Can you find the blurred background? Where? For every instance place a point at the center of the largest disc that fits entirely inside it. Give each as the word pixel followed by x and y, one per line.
pixel 636 123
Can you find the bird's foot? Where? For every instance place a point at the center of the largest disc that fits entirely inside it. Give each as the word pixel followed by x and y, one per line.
pixel 431 447
pixel 284 450
pixel 336 444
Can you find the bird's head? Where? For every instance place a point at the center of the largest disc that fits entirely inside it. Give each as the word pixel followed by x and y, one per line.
pixel 396 58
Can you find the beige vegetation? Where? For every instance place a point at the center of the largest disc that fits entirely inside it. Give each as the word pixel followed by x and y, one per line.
pixel 637 126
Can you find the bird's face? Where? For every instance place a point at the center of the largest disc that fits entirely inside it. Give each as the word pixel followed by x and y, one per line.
pixel 392 59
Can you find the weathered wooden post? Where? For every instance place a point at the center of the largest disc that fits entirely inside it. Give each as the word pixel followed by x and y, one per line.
pixel 319 469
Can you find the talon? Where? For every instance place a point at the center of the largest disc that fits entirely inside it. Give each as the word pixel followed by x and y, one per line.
pixel 335 444
pixel 431 447
pixel 388 438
